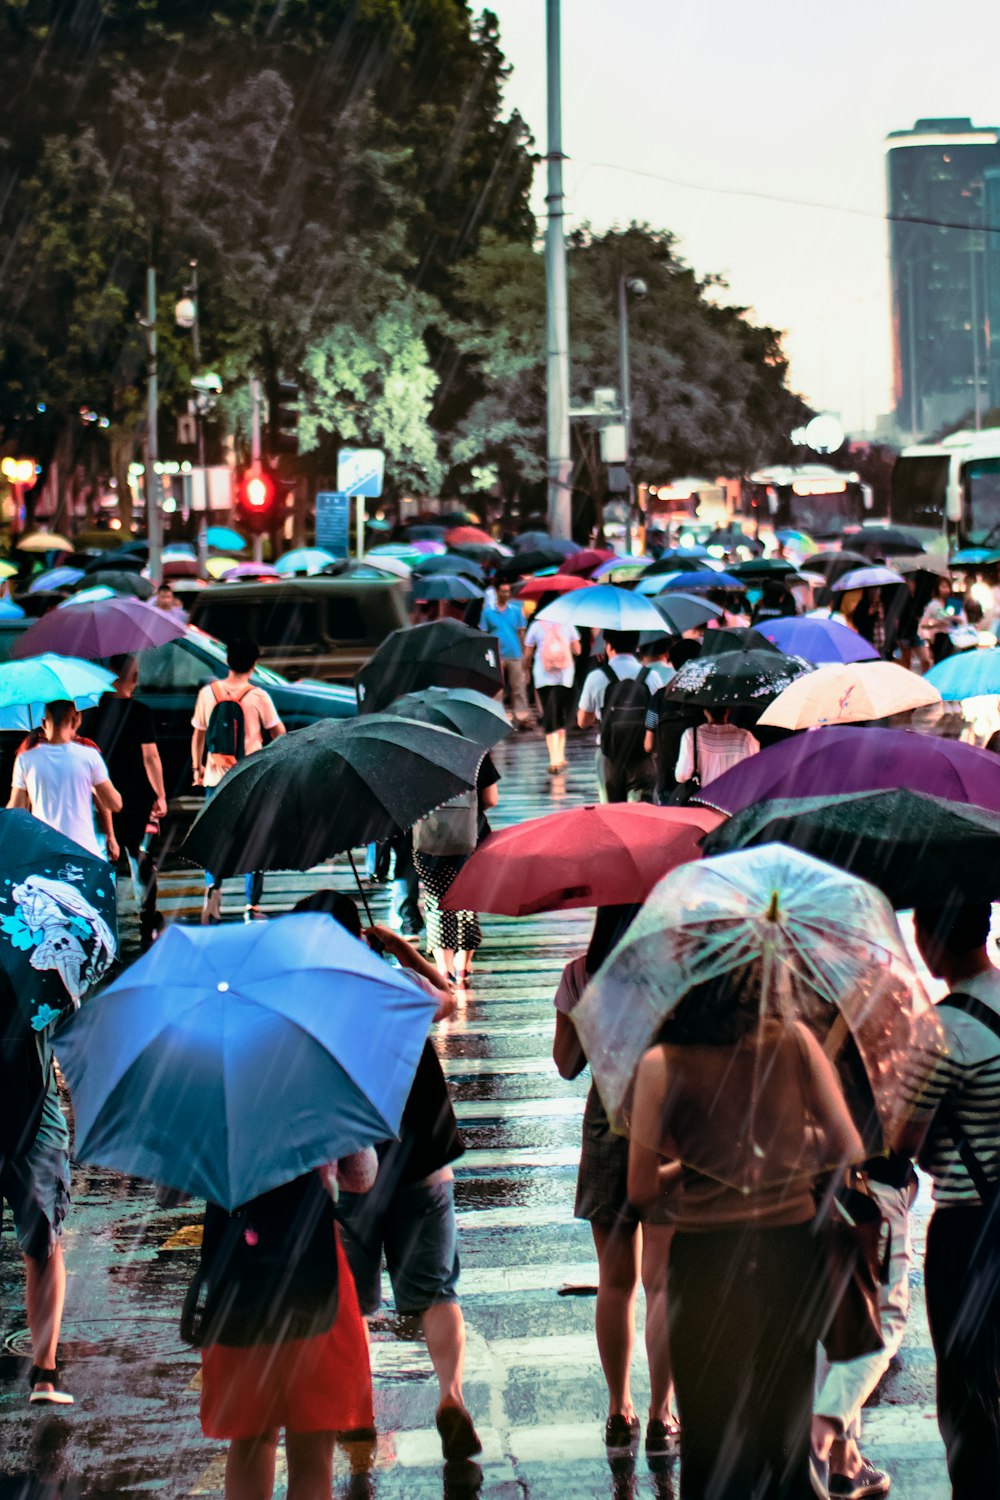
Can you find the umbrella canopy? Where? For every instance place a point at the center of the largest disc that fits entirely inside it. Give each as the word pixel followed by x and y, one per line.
pixel 735 679
pixel 425 532
pixel 551 583
pixel 931 563
pixel 918 850
pixel 11 611
pixel 844 759
pixel 394 567
pixel 450 562
pixel 442 653
pixel 967 674
pixel 180 567
pixel 95 630
pixel 763 568
pixel 44 541
pixel 58 917
pixel 818 641
pixel 680 560
pixel 604 607
pixel 90 596
pixel 736 638
pixel 531 541
pixel 119 583
pixel 218 567
pixel 832 562
pixel 229 1060
pixel 681 612
pixel 55 578
pixel 224 539
pixel 449 586
pixel 802 942
pixel 526 562
pixel 883 541
pixel 7 569
pixel 609 854
pixel 701 582
pixel 50 679
pixel 329 787
pixel 586 560
pixel 465 711
pixel 486 553
pixel 865 578
pixel 625 566
pixel 304 560
pixel 118 561
pixel 401 550
pixel 854 693
pixel 179 551
pixel 429 548
pixel 251 570
pixel 975 557
pixel 799 541
pixel 466 536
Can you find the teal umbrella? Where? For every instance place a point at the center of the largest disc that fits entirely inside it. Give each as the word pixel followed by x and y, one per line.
pixel 28 685
pixel 224 539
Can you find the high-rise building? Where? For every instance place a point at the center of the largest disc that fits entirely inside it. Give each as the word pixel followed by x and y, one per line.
pixel 941 208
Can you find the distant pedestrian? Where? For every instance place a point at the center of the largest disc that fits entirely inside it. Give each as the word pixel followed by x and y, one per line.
pixel 442 842
pixel 776 601
pixel 550 649
pixel 712 748
pixel 231 719
pixel 166 600
pixel 505 620
pixel 61 782
pixel 618 693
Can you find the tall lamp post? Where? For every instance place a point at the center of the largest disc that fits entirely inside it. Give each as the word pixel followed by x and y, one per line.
pixel 154 515
pixel 187 314
pixel 628 286
pixel 560 463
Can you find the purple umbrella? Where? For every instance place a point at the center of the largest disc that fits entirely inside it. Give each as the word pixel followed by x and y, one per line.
pixel 827 762
pixel 101 628
pixel 251 570
pixel 818 641
pixel 865 578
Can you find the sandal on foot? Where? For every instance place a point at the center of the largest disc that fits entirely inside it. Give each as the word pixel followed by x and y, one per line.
pixel 55 1397
pixel 459 1439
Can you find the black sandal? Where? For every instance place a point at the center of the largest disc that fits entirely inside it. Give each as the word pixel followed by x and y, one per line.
pixel 55 1397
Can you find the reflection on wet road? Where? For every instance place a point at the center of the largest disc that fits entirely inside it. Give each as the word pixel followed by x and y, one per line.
pixel 533 1382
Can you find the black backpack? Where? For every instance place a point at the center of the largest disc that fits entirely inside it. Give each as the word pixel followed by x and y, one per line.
pixel 623 717
pixel 226 732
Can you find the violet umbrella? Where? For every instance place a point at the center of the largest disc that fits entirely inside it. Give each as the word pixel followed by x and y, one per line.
pixel 251 570
pixel 99 628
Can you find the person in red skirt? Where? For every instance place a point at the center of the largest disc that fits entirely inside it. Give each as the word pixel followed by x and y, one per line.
pixel 283 1343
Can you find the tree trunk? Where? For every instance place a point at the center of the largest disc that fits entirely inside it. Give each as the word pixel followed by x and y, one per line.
pixel 122 449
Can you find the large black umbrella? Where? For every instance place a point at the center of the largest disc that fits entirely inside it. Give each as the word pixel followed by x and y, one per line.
pixel 117 561
pixel 540 541
pixel 918 849
pixel 735 679
pixel 884 541
pixel 450 562
pixel 678 562
pixel 681 612
pixel 763 568
pixel 737 638
pixel 833 564
pixel 329 787
pixel 442 653
pixel 118 582
pixel 529 562
pixel 462 709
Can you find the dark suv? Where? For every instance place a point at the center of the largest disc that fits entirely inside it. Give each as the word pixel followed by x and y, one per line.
pixel 306 627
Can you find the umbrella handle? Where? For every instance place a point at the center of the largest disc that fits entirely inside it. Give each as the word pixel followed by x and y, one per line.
pixel 361 891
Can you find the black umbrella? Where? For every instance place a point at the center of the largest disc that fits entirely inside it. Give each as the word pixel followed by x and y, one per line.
pixel 683 612
pixel 329 787
pixel 118 561
pixel 736 679
pixel 461 709
pixel 737 638
pixel 673 562
pixel 832 564
pixel 449 586
pixel 884 541
pixel 918 849
pixel 118 582
pixel 763 567
pixel 528 562
pixel 540 541
pixel 442 653
pixel 450 562
pixel 425 532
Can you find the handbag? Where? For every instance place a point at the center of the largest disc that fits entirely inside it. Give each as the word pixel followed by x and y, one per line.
pixel 686 791
pixel 856 1268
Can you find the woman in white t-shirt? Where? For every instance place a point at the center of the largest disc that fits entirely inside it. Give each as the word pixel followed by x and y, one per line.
pixel 550 647
pixel 712 748
pixel 61 782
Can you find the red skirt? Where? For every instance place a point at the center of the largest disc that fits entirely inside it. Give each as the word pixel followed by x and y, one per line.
pixel 322 1384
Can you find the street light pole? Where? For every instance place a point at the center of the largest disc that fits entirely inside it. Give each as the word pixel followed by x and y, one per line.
pixel 154 516
pixel 560 464
pixel 625 376
pixel 256 400
pixel 199 420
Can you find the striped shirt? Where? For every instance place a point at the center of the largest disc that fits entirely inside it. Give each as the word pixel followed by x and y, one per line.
pixel 966 1076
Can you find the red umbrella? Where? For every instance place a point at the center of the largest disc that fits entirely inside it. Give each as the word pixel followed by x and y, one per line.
pixel 180 567
pixel 584 562
pixel 552 583
pixel 602 855
pixel 466 536
pixel 103 627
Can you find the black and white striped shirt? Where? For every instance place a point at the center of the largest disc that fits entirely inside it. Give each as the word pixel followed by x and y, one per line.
pixel 967 1077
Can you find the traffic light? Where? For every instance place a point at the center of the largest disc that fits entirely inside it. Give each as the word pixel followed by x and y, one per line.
pixel 256 501
pixel 283 423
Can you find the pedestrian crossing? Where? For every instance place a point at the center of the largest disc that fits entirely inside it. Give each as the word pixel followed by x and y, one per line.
pixel 533 1381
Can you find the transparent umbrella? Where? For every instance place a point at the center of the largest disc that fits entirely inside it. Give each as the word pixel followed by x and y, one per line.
pixel 804 942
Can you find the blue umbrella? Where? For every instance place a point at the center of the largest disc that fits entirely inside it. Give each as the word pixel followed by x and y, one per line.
pixel 450 586
pixel 450 563
pixel 967 674
pixel 604 607
pixel 304 560
pixel 178 552
pixel 224 539
pixel 232 1059
pixel 865 578
pixel 10 611
pixel 700 583
pixel 974 557
pixel 45 679
pixel 818 641
pixel 55 578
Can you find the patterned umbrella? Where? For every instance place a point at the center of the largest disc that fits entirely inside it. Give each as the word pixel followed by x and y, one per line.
pixel 735 679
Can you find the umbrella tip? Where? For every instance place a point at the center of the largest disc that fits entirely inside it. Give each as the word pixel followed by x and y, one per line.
pixel 773 910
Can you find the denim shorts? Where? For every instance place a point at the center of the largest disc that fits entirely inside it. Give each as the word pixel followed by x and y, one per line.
pixel 36 1185
pixel 416 1228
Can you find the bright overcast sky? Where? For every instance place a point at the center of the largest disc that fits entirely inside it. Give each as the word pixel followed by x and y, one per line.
pixel 741 105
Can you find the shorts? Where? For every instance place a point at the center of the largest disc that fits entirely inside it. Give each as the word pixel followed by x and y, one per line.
pixel 36 1185
pixel 322 1384
pixel 416 1228
pixel 556 701
pixel 602 1180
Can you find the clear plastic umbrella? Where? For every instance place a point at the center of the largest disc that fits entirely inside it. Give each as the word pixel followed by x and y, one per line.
pixel 798 940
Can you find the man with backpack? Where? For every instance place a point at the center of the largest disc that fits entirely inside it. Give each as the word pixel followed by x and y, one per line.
pixel 231 719
pixel 550 648
pixel 505 620
pixel 618 693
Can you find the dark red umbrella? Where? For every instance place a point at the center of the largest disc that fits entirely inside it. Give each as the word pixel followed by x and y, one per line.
pixel 584 562
pixel 97 629
pixel 180 567
pixel 603 855
pixel 551 583
pixel 467 536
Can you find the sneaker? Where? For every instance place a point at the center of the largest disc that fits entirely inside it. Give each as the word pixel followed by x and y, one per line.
pixel 621 1432
pixel 867 1481
pixel 211 910
pixel 254 914
pixel 459 1439
pixel 662 1438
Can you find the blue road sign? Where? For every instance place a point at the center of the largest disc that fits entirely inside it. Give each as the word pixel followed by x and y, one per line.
pixel 333 522
pixel 360 471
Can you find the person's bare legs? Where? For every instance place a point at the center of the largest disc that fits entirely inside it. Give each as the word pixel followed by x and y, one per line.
pixel 463 964
pixel 250 1467
pixel 445 960
pixel 617 1283
pixel 655 1252
pixel 560 748
pixel 46 1296
pixel 310 1465
pixel 552 743
pixel 444 1334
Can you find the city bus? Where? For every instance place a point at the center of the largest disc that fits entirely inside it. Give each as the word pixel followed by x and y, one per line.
pixel 950 489
pixel 809 497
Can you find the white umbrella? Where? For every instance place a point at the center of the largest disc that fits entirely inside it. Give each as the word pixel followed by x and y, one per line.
pixel 850 694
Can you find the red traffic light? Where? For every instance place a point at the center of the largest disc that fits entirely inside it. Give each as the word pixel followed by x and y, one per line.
pixel 256 500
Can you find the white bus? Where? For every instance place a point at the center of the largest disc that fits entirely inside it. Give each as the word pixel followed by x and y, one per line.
pixel 808 497
pixel 951 488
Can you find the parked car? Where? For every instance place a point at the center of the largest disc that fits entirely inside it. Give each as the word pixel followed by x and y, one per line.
pixel 169 679
pixel 324 628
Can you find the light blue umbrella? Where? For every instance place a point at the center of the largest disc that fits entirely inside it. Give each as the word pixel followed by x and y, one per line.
pixel 55 578
pixel 967 674
pixel 88 596
pixel 224 539
pixel 865 578
pixel 604 607
pixel 232 1059
pixel 304 560
pixel 10 611
pixel 450 586
pixel 29 685
pixel 178 552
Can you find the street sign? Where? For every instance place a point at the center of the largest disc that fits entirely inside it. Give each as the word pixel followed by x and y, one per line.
pixel 333 522
pixel 360 471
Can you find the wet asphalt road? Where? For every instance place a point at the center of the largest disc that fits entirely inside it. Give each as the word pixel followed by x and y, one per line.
pixel 533 1382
